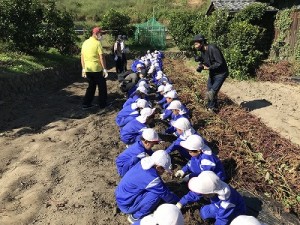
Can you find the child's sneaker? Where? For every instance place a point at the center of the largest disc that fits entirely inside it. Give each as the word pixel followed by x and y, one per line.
pixel 131 219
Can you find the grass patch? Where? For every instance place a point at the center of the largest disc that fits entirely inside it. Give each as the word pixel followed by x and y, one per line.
pixel 21 63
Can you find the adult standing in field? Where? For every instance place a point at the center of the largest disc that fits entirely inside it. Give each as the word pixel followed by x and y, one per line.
pixel 212 60
pixel 94 69
pixel 118 54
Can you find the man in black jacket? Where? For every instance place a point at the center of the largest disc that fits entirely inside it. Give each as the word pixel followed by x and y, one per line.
pixel 213 60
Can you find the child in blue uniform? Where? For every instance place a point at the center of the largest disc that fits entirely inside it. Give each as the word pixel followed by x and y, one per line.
pixel 159 93
pixel 202 159
pixel 178 111
pixel 226 202
pixel 140 93
pixel 167 88
pixel 141 189
pixel 140 149
pixel 184 129
pixel 132 131
pixel 130 112
pixel 170 96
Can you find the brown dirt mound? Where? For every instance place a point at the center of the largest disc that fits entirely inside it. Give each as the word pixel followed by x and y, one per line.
pixel 242 138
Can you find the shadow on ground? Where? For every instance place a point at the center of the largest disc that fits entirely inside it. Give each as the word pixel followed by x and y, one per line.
pixel 255 104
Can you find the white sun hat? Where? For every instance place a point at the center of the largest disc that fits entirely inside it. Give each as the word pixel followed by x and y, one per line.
pixel 145 113
pixel 245 220
pixel 182 124
pixel 168 87
pixel 159 75
pixel 208 183
pixel 195 142
pixel 164 80
pixel 143 90
pixel 143 84
pixel 139 65
pixel 158 158
pixel 175 104
pixel 141 103
pixel 150 134
pixel 171 94
pixel 160 88
pixel 165 214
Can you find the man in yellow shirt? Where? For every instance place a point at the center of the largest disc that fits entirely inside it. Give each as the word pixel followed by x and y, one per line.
pixel 94 69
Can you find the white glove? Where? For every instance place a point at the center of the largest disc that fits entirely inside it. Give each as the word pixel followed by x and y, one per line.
pixel 178 205
pixel 116 58
pixel 186 178
pixel 126 50
pixel 105 73
pixel 83 73
pixel 161 116
pixel 179 173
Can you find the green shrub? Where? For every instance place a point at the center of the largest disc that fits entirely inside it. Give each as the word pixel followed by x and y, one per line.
pixel 241 54
pixel 280 48
pixel 19 22
pixel 181 28
pixel 57 30
pixel 30 25
pixel 115 21
pixel 252 14
pixel 214 27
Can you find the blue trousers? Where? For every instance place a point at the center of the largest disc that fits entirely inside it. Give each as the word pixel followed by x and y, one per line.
pixel 214 83
pixel 143 205
pixel 208 211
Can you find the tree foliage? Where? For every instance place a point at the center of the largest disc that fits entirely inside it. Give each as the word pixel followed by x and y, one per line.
pixel 181 28
pixel 242 55
pixel 252 14
pixel 29 25
pixel 115 21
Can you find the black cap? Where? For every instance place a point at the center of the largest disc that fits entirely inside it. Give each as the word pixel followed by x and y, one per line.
pixel 199 38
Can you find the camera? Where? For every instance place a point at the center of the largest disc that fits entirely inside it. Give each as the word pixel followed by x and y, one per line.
pixel 197 58
pixel 200 68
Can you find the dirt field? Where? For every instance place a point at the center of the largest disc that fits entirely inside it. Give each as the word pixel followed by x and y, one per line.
pixel 57 161
pixel 277 104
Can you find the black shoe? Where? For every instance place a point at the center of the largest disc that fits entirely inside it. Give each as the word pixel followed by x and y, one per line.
pixel 106 105
pixel 88 106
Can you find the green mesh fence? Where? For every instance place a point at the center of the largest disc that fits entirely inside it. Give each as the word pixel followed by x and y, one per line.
pixel 151 33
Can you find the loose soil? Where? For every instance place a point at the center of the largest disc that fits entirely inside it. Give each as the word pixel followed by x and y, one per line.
pixel 57 160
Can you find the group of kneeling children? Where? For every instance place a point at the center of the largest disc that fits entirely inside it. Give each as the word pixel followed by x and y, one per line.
pixel 141 192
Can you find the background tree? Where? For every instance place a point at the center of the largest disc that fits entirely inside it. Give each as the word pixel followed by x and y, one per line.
pixel 115 21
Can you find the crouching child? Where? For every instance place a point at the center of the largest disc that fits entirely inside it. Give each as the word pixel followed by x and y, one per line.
pixel 141 189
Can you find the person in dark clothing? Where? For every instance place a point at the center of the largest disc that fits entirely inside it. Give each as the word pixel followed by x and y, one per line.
pixel 118 57
pixel 212 60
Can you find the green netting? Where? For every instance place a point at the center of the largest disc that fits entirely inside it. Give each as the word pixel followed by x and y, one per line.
pixel 151 33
